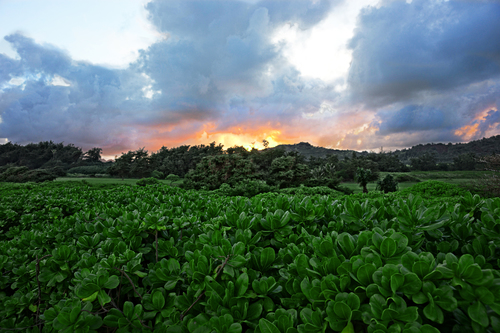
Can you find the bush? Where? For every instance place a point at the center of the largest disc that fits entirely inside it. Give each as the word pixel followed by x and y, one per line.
pixel 23 175
pixel 12 173
pixel 303 190
pixel 388 184
pixel 89 169
pixel 172 178
pixel 407 178
pixel 147 181
pixel 157 174
pixel 58 171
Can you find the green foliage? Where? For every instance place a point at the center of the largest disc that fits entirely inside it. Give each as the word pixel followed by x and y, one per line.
pixel 89 169
pixel 287 171
pixel 45 154
pixel 93 155
pixel 425 162
pixel 172 178
pixel 246 188
pixel 388 184
pixel 213 171
pixel 147 181
pixel 157 174
pixel 362 177
pixel 318 190
pixel 162 259
pixel 348 168
pixel 23 175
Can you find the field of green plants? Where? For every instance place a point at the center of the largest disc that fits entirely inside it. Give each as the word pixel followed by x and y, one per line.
pixel 76 258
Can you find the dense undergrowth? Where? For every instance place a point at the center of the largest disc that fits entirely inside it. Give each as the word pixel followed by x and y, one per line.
pixel 76 258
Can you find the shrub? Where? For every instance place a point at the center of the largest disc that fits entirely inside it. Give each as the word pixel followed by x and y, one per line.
pixel 89 169
pixel 23 175
pixel 12 173
pixel 388 184
pixel 37 175
pixel 147 181
pixel 172 178
pixel 303 190
pixel 157 174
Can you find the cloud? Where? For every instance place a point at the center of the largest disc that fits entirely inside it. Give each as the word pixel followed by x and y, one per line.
pixel 218 66
pixel 92 107
pixel 401 49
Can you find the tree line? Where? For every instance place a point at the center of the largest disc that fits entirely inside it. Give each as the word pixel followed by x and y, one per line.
pixel 210 166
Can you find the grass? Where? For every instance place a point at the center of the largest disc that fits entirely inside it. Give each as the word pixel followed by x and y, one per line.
pixel 463 178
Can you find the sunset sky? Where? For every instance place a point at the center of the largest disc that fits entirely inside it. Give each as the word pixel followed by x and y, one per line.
pixel 346 74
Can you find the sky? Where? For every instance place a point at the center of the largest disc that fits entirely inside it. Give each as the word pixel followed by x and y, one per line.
pixel 361 75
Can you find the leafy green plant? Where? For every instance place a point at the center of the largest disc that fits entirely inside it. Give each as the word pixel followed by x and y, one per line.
pixel 160 259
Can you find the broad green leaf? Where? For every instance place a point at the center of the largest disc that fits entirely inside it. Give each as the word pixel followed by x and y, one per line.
pixel 428 329
pixel 103 298
pixel 158 300
pixel 87 289
pixel 242 284
pixel 91 298
pixel 434 313
pixel 412 284
pixel 388 247
pixel 64 318
pixel 254 311
pixel 342 310
pixel 477 312
pixel 267 327
pixel 353 301
pixel 364 274
pixel 112 283
pixel 267 257
pixel 128 309
pixel 75 312
pixel 397 280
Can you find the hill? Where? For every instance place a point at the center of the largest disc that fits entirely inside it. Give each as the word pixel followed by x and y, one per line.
pixel 445 152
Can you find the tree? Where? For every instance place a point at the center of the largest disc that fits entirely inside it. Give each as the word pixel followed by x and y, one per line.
pixel 286 171
pixel 363 176
pixel 93 155
pixel 388 184
pixel 172 178
pixel 465 161
pixel 426 162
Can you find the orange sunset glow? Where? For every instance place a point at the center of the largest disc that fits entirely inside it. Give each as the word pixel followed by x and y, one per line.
pixel 469 131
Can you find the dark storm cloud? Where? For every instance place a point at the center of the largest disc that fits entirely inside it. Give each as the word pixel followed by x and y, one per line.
pixel 411 118
pixel 401 49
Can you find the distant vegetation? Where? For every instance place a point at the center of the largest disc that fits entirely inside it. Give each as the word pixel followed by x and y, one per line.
pixel 243 172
